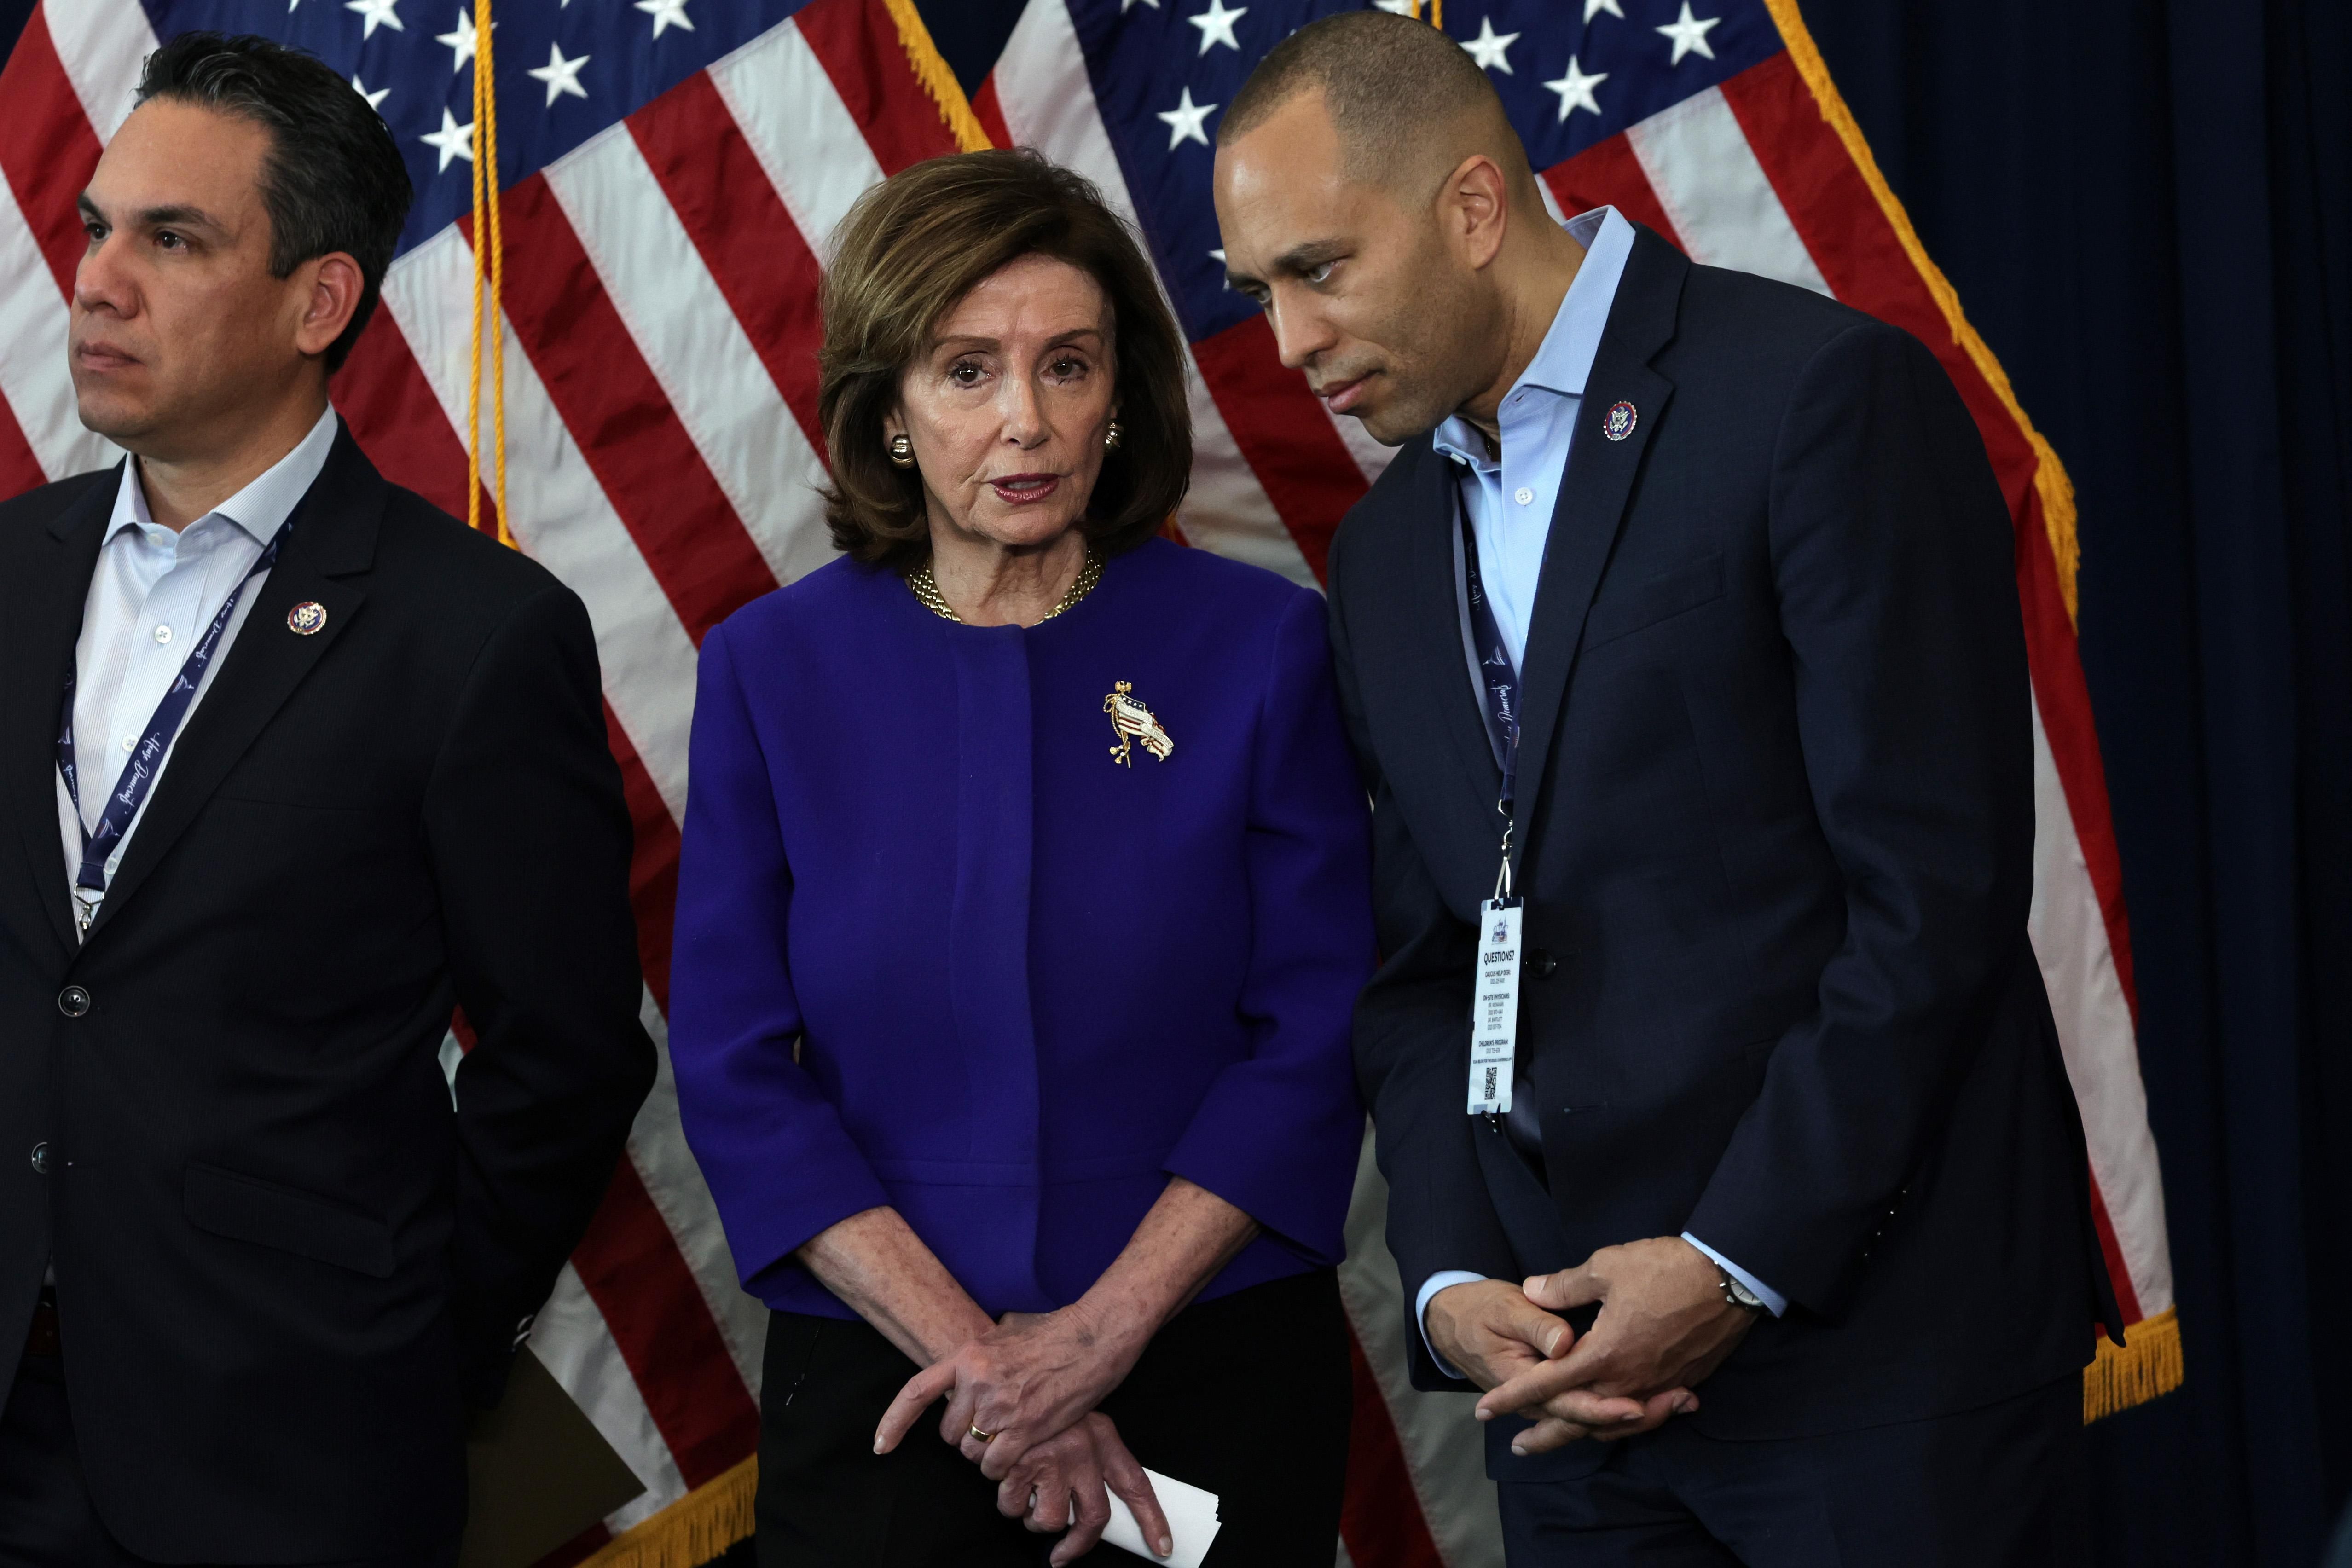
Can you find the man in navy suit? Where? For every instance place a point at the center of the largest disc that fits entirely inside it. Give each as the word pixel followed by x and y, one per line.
pixel 291 765
pixel 1681 635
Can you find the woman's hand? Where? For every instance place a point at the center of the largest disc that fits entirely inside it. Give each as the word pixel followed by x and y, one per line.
pixel 1023 1381
pixel 1062 1483
pixel 1028 1377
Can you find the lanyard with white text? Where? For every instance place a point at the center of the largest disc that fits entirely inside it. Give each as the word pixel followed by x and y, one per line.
pixel 139 773
pixel 1495 1007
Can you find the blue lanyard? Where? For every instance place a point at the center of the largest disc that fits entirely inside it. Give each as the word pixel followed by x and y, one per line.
pixel 139 773
pixel 1495 674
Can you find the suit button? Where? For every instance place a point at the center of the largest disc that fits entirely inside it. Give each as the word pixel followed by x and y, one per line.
pixel 73 1002
pixel 1541 964
pixel 40 1160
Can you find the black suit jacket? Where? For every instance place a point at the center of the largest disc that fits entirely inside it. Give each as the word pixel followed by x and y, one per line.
pixel 283 1260
pixel 1775 824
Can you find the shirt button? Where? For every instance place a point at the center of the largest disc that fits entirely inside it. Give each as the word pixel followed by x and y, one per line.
pixel 130 743
pixel 40 1160
pixel 163 634
pixel 1524 495
pixel 73 1002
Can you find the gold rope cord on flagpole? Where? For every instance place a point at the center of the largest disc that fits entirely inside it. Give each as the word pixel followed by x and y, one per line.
pixel 2050 481
pixel 691 1532
pixel 937 78
pixel 490 270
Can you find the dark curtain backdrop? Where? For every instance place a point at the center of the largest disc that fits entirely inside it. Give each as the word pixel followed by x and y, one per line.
pixel 2147 207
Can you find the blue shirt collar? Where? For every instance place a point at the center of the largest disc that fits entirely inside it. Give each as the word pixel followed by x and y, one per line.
pixel 1564 360
pixel 258 509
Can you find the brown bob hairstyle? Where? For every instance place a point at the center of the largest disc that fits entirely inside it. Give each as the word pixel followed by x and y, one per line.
pixel 910 249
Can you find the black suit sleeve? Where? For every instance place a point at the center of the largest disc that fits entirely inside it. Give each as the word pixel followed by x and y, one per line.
pixel 1412 1035
pixel 529 841
pixel 1894 559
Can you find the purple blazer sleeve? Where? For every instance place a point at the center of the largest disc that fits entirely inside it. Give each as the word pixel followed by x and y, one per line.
pixel 751 1113
pixel 1278 1132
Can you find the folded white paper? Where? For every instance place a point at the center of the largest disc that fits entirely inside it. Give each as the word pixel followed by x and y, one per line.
pixel 1192 1521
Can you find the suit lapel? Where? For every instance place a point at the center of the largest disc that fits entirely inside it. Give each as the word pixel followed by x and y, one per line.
pixel 1436 619
pixel 1591 505
pixel 325 560
pixel 44 626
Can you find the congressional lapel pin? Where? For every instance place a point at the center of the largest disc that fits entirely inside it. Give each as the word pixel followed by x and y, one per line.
pixel 307 618
pixel 1131 722
pixel 1618 423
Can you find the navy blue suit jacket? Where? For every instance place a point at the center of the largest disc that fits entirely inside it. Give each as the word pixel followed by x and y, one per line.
pixel 1775 822
pixel 284 1258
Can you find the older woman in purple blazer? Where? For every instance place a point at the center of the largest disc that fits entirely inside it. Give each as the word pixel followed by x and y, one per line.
pixel 1023 907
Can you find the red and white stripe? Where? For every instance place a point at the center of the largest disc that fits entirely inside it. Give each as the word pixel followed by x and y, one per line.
pixel 663 446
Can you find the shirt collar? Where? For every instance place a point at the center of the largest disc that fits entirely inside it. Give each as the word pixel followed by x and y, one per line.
pixel 260 508
pixel 1563 361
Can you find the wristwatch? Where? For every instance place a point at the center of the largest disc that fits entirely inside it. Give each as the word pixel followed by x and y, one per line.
pixel 1737 1295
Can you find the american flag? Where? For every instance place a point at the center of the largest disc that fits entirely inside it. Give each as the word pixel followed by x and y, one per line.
pixel 671 171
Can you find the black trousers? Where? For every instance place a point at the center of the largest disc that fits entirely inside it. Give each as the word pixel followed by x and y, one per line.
pixel 1999 1487
pixel 1248 1396
pixel 47 1517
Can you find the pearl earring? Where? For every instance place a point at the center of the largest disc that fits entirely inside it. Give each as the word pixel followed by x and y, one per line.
pixel 902 452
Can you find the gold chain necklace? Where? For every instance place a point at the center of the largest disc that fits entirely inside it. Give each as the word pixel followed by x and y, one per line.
pixel 926 589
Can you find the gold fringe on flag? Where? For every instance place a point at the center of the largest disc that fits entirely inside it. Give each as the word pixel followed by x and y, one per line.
pixel 691 1532
pixel 2050 481
pixel 2146 1364
pixel 490 269
pixel 937 80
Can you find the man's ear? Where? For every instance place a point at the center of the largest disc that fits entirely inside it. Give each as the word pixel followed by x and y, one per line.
pixel 331 287
pixel 1475 205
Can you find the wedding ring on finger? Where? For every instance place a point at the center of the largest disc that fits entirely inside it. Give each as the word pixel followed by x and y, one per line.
pixel 980 1436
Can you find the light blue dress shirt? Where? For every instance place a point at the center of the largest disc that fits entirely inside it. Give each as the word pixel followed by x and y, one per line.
pixel 152 595
pixel 1510 499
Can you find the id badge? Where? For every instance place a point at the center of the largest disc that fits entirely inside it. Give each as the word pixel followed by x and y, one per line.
pixel 1494 1008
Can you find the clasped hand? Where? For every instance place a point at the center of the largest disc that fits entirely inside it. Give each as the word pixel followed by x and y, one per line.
pixel 1663 1327
pixel 1032 1382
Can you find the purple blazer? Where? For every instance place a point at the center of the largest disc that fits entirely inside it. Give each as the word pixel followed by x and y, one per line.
pixel 936 948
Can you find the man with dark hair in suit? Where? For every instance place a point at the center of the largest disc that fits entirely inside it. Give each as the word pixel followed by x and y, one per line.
pixel 293 765
pixel 1722 1112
